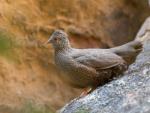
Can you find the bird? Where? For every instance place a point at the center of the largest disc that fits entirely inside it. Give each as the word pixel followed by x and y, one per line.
pixel 91 67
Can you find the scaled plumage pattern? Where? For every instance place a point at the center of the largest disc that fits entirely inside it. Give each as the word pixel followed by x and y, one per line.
pixel 91 67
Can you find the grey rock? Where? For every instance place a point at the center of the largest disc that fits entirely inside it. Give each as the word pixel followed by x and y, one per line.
pixel 128 94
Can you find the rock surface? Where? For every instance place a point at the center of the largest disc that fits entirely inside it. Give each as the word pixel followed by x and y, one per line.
pixel 128 94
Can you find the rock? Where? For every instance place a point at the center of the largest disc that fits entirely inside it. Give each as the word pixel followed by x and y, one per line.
pixel 145 29
pixel 128 94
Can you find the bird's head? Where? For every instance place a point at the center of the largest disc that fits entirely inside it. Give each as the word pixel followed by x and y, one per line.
pixel 59 39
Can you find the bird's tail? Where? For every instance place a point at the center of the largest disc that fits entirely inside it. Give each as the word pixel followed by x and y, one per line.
pixel 129 51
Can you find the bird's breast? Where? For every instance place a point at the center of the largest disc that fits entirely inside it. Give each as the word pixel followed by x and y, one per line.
pixel 63 62
pixel 70 73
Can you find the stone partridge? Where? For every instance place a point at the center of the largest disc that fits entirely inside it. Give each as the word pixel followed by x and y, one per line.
pixel 90 68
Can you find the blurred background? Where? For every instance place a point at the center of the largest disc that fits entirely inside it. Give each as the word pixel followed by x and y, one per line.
pixel 27 71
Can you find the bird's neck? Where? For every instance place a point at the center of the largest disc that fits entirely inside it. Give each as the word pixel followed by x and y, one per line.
pixel 62 48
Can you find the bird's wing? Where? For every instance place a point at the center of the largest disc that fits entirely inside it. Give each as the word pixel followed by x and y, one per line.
pixel 102 60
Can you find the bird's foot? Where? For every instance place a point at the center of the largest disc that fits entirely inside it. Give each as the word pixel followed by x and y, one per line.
pixel 86 91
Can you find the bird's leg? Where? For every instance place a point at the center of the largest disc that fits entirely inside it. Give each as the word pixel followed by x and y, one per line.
pixel 86 91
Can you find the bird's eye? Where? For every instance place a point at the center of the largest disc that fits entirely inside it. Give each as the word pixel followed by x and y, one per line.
pixel 55 39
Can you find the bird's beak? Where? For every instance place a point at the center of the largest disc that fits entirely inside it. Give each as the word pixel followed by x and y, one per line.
pixel 49 41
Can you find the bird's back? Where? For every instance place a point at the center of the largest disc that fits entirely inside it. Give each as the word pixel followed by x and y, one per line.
pixel 105 63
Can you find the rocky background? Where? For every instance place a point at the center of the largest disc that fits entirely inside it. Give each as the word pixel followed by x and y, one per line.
pixel 27 71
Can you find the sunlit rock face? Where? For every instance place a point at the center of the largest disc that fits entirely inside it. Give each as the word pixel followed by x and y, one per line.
pixel 27 70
